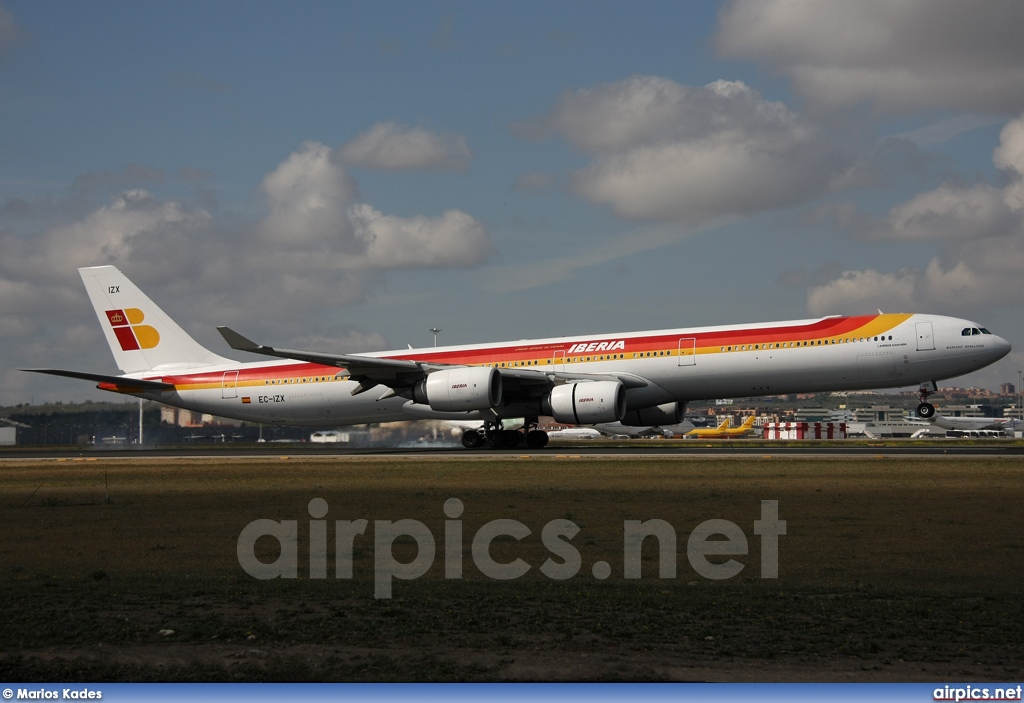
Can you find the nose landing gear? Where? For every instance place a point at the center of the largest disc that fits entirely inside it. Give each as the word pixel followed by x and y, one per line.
pixel 926 410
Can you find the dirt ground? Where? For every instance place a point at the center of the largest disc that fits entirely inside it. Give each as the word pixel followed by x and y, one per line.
pixel 889 569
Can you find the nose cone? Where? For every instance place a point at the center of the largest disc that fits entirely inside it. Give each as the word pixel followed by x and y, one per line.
pixel 1000 347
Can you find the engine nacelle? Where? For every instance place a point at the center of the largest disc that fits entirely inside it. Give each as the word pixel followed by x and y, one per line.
pixel 462 388
pixel 665 414
pixel 587 402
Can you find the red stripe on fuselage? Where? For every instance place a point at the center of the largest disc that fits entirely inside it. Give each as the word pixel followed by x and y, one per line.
pixel 828 327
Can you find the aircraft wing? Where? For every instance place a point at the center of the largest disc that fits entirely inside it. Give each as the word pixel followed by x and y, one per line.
pixel 128 384
pixel 367 370
pixel 629 380
pixel 400 373
pixel 355 363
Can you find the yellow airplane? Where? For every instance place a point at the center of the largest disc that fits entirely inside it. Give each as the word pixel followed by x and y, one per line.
pixel 723 430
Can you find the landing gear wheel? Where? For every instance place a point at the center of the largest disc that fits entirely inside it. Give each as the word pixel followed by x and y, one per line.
pixel 471 439
pixel 509 439
pixel 536 439
pixel 926 411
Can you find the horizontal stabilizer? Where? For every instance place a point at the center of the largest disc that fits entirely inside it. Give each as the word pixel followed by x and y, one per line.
pixel 119 381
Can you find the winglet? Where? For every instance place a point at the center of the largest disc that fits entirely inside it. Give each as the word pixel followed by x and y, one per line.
pixel 237 341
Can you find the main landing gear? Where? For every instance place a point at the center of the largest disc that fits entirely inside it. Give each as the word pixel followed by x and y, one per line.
pixel 926 410
pixel 494 436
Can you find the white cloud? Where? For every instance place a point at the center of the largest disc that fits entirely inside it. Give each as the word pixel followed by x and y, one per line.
pixel 308 195
pixel 959 213
pixel 317 248
pixel 454 239
pixel 667 152
pixel 950 213
pixel 1009 155
pixel 314 215
pixel 614 115
pixel 981 229
pixel 958 286
pixel 393 147
pixel 857 291
pixel 135 221
pixel 899 56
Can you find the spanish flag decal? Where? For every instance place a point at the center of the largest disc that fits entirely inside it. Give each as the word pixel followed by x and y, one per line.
pixel 246 400
pixel 130 334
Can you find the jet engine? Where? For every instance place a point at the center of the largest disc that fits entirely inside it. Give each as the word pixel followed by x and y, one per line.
pixel 665 414
pixel 586 403
pixel 462 388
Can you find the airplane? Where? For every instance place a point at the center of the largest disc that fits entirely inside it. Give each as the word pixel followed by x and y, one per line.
pixel 615 429
pixel 948 422
pixel 638 378
pixel 722 426
pixel 575 433
pixel 723 430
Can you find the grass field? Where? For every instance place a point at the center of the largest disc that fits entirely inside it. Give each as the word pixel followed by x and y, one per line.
pixel 889 569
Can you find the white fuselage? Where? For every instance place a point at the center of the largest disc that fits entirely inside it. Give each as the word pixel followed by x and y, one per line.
pixel 827 354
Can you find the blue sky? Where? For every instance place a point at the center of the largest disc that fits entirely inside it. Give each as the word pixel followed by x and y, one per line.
pixel 343 176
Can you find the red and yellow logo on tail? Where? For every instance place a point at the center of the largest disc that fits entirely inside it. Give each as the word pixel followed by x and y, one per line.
pixel 130 334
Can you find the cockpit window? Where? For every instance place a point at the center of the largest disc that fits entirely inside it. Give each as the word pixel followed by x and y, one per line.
pixel 965 332
pixel 985 331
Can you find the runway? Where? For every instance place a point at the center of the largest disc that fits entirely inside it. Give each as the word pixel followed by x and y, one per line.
pixel 557 449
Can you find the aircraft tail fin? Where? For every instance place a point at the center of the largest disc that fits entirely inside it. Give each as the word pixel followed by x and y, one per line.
pixel 141 336
pixel 748 423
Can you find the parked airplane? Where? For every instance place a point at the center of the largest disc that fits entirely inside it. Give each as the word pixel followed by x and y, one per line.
pixel 723 430
pixel 940 424
pixel 722 426
pixel 947 422
pixel 638 378
pixel 575 433
pixel 614 429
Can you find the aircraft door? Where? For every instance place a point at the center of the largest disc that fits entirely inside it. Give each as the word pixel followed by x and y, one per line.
pixel 925 340
pixel 559 360
pixel 688 351
pixel 229 385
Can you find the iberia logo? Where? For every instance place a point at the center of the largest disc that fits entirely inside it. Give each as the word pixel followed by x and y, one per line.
pixel 130 333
